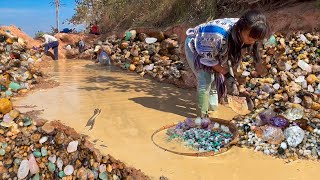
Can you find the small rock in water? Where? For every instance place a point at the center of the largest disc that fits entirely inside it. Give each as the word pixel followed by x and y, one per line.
pixel 68 170
pixel 43 139
pixel 72 147
pixel 23 170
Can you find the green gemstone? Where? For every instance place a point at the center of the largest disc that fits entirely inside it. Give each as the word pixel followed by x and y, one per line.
pixel 2 87
pixel 51 166
pixel 44 152
pixel 27 123
pixel 103 176
pixel 127 65
pixel 62 174
pixel 8 93
pixel 26 119
pixel 37 154
pixel 36 177
pixel 2 152
pixel 14 86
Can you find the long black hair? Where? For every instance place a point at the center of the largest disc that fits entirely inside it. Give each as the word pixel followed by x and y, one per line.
pixel 256 23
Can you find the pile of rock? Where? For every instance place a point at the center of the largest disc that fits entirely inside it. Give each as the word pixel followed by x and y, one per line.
pixel 17 70
pixel 50 150
pixel 286 119
pixel 157 56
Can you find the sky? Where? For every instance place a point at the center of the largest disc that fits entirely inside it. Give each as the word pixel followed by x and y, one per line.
pixel 34 15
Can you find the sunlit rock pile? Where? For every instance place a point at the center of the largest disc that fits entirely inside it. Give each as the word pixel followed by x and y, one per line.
pixel 50 150
pixel 286 119
pixel 160 59
pixel 17 70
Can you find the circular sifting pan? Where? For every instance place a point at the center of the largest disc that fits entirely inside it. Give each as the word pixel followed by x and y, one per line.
pixel 232 127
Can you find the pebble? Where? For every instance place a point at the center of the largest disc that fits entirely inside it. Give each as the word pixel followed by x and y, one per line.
pixel 62 174
pixel 59 163
pixel 51 166
pixel 266 151
pixel 33 166
pixel 52 158
pixel 36 177
pixel 68 170
pixel 102 168
pixel 43 139
pixel 103 176
pixel 44 152
pixel 2 152
pixel 72 147
pixel 37 154
pixel 23 170
pixel 283 145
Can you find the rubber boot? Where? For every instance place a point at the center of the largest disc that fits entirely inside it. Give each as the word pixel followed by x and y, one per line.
pixel 213 100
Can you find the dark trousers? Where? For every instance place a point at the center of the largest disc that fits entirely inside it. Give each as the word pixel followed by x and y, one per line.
pixel 54 45
pixel 81 49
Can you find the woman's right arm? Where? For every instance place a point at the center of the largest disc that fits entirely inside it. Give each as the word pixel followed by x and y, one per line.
pixel 218 68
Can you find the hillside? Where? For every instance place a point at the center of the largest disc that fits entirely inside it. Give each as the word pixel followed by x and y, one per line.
pixel 123 14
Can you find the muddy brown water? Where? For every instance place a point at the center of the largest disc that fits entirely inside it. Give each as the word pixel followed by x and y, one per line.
pixel 132 108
